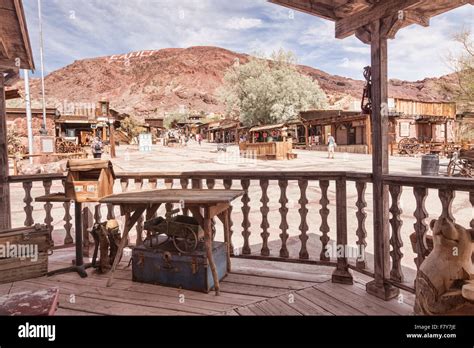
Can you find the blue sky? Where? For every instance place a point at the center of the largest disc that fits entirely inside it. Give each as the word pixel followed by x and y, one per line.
pixel 76 29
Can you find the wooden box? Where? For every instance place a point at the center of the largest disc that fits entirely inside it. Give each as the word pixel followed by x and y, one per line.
pixel 165 266
pixel 24 253
pixel 89 180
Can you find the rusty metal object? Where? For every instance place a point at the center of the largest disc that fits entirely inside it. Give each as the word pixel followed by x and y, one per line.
pixel 366 104
pixel 408 146
pixel 462 164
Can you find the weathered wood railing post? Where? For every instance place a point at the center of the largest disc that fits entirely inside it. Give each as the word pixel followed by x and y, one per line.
pixel 246 220
pixel 284 222
pixel 341 274
pixel 5 211
pixel 381 286
pixel 396 241
pixel 324 212
pixel 361 215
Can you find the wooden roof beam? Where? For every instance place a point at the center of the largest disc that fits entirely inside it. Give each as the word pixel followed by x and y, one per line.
pixel 321 8
pixel 351 6
pixel 348 26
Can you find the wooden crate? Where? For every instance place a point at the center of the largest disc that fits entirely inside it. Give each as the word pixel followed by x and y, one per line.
pixel 33 244
pixel 89 180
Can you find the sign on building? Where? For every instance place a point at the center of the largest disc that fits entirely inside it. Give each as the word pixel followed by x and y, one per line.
pixel 145 142
pixel 404 129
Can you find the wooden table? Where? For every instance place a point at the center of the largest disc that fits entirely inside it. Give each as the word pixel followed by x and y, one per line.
pixel 79 265
pixel 203 204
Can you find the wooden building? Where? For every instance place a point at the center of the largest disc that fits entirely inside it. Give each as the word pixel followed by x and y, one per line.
pixel 429 122
pixel 16 118
pixel 15 54
pixel 155 125
pixel 84 122
pixel 350 129
pixel 226 131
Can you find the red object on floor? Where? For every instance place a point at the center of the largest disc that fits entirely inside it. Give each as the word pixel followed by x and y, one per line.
pixel 30 303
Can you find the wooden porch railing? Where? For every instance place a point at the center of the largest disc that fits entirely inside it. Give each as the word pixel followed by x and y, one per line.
pixel 277 206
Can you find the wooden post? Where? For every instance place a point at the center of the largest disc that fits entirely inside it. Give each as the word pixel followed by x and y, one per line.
pixel 112 140
pixel 306 135
pixel 368 133
pixel 5 213
pixel 380 166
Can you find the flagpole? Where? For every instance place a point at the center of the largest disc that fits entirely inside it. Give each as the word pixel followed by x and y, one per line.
pixel 43 127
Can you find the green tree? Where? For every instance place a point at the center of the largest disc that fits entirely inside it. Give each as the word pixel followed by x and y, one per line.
pixel 173 118
pixel 463 65
pixel 131 126
pixel 269 91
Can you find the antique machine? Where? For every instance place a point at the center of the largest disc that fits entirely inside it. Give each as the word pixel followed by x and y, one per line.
pixel 174 254
pixel 408 146
pixel 183 231
pixel 462 164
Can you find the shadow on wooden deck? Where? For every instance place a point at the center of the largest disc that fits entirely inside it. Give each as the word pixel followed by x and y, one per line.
pixel 253 288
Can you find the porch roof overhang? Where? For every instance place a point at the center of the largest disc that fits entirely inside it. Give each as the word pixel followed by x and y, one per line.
pixel 356 16
pixel 267 127
pixel 15 47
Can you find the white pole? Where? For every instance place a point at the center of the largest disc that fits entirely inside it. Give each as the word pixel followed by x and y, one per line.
pixel 42 66
pixel 28 114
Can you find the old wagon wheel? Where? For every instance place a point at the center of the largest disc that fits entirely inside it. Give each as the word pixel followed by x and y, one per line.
pixel 188 243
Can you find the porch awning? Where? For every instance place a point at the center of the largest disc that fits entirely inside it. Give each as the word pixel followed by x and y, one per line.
pixel 267 127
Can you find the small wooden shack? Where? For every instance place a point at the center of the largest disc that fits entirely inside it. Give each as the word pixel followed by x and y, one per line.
pixel 89 180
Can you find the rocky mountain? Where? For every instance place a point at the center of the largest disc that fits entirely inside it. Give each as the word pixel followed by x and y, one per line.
pixel 150 83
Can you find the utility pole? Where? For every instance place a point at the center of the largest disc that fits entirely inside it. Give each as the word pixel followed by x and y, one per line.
pixel 28 114
pixel 44 131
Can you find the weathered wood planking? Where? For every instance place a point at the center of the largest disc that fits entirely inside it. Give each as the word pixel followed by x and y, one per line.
pixel 190 197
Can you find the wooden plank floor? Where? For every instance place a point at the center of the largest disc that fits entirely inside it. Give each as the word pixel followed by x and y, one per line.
pixel 254 288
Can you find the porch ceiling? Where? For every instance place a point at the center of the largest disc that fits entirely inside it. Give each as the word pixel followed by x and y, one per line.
pixel 353 15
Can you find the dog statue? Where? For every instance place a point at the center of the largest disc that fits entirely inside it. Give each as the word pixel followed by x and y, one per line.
pixel 445 280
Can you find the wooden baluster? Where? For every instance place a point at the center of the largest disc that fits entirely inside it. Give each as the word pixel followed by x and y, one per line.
pixel 361 215
pixel 27 186
pixel 265 210
pixel 324 212
pixel 420 225
pixel 139 228
pixel 341 274
pixel 303 185
pixel 396 241
pixel 447 197
pixel 169 185
pixel 67 221
pixel 48 207
pixel 284 213
pixel 184 185
pixel 228 185
pixel 211 183
pixel 471 198
pixel 246 220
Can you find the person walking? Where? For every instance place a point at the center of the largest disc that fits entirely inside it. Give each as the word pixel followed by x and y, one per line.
pixel 97 148
pixel 331 146
pixel 199 138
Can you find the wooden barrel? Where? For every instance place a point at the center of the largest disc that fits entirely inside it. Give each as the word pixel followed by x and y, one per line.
pixel 430 165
